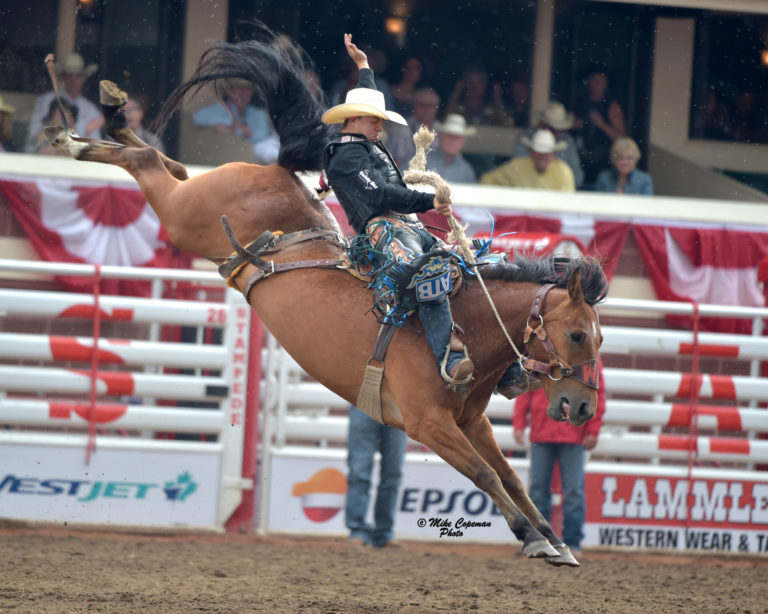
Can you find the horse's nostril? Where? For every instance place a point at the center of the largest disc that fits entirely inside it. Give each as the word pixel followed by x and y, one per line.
pixel 583 411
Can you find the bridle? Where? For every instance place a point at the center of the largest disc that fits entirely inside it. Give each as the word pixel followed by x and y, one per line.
pixel 586 372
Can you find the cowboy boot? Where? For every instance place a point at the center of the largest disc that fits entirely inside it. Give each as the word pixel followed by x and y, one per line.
pixel 455 366
pixel 514 382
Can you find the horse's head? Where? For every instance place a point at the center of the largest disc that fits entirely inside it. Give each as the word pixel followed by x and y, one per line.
pixel 570 340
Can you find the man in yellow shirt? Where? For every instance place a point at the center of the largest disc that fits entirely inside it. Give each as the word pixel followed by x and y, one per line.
pixel 541 169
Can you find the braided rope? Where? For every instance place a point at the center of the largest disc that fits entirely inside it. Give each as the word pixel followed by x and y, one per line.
pixel 417 174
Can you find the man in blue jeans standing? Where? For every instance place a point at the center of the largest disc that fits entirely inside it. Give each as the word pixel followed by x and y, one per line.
pixel 366 436
pixel 562 443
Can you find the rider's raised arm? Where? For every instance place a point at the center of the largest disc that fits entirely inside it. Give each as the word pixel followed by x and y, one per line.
pixel 358 56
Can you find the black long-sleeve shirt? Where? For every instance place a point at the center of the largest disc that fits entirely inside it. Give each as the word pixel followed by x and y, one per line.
pixel 366 179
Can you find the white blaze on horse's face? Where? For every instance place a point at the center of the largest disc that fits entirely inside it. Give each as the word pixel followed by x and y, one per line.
pixel 575 332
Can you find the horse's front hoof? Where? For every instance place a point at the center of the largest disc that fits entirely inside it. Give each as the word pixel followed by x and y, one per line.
pixel 110 95
pixel 564 557
pixel 540 548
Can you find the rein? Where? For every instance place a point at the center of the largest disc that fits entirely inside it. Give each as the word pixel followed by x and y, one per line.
pixel 585 372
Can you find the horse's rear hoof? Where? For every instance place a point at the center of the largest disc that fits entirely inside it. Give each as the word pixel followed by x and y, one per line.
pixel 57 135
pixel 564 557
pixel 540 548
pixel 110 95
pixel 64 140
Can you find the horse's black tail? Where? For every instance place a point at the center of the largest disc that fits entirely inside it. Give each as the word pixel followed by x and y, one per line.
pixel 278 69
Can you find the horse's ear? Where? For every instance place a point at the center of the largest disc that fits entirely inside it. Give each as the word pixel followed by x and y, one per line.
pixel 574 287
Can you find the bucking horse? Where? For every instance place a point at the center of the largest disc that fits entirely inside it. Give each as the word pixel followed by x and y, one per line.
pixel 293 272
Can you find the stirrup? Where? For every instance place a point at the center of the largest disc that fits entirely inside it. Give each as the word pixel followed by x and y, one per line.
pixel 455 382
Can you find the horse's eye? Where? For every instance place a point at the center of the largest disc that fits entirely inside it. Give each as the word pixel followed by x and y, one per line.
pixel 577 337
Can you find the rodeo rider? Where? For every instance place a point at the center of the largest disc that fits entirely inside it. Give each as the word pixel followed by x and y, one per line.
pixel 370 188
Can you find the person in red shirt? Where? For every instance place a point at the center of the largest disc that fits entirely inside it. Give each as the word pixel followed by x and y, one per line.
pixel 565 444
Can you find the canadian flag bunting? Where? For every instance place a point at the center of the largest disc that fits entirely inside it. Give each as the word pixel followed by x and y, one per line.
pixel 707 265
pixel 704 264
pixel 105 225
pixel 603 239
pixel 102 224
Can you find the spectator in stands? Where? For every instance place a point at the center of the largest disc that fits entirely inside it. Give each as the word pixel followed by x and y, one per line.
pixel 562 443
pixel 470 98
pixel 403 92
pixel 134 116
pixel 557 120
pixel 236 115
pixel 366 436
pixel 426 104
pixel 399 138
pixel 539 169
pixel 6 127
pixel 447 160
pixel 73 73
pixel 714 120
pixel 54 118
pixel 519 99
pixel 624 177
pixel 600 121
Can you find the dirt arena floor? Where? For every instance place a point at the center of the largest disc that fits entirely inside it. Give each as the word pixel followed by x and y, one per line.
pixel 61 571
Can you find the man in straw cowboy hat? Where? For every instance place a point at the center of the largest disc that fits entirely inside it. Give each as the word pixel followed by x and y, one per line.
pixel 540 169
pixel 73 72
pixel 447 160
pixel 370 188
pixel 555 118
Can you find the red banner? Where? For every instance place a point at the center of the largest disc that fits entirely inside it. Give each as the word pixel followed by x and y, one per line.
pixel 106 225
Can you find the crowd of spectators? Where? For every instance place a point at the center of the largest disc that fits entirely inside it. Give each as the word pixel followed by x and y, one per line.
pixel 572 148
pixel 581 140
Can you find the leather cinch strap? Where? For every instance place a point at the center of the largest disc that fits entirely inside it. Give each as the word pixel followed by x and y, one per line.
pixel 269 242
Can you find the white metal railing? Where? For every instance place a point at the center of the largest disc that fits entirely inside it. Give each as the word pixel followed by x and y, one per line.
pixel 307 411
pixel 51 403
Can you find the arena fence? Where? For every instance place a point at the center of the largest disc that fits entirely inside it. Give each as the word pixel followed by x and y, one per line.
pixel 679 463
pixel 134 429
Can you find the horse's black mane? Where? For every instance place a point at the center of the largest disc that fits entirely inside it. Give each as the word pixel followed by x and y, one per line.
pixel 277 67
pixel 552 270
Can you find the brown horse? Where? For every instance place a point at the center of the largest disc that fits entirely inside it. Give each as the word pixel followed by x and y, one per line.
pixel 322 316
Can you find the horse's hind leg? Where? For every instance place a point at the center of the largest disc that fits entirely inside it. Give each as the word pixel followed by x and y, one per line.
pixel 144 165
pixel 112 99
pixel 437 430
pixel 480 434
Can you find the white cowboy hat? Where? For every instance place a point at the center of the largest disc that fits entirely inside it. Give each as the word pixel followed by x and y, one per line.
pixel 455 124
pixel 555 115
pixel 544 142
pixel 6 108
pixel 74 64
pixel 362 101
